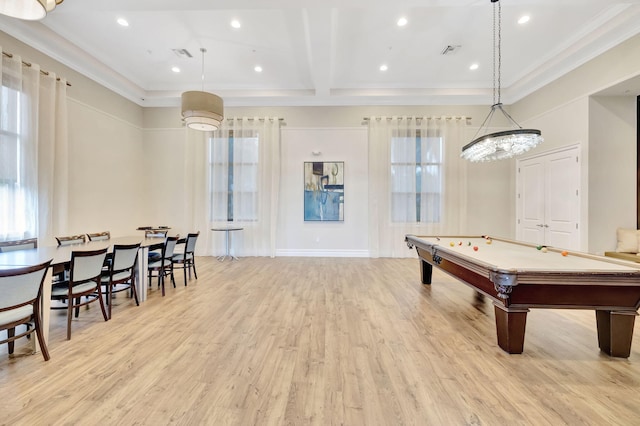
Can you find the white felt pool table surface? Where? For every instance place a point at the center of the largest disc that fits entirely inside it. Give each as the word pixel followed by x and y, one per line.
pixel 515 256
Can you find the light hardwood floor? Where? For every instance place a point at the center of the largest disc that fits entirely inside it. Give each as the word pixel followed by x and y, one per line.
pixel 298 341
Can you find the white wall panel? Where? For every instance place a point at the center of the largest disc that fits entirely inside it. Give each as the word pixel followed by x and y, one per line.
pixel 332 239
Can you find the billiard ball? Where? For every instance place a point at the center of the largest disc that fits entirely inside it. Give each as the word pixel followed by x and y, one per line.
pixel 451 244
pixel 488 240
pixel 538 247
pixel 543 249
pixel 475 248
pixel 564 253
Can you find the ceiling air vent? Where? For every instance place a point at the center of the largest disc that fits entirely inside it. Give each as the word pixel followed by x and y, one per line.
pixel 182 53
pixel 450 49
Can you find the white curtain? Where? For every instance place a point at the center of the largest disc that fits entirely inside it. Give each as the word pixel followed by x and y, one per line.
pixel 396 206
pixel 197 189
pixel 33 147
pixel 255 189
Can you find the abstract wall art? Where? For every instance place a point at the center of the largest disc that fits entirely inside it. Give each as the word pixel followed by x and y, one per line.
pixel 324 191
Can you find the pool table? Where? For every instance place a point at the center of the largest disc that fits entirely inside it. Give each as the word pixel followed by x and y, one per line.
pixel 518 276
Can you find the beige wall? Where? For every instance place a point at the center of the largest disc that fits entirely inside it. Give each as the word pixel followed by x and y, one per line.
pixel 106 173
pixel 612 169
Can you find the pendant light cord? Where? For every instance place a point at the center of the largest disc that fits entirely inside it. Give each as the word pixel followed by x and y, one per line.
pixel 203 50
pixel 497 64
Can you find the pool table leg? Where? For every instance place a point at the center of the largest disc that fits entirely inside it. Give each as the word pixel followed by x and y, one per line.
pixel 510 327
pixel 426 271
pixel 615 332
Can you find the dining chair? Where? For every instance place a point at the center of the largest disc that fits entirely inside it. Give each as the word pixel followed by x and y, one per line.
pixel 73 239
pixel 185 259
pixel 102 236
pixel 84 281
pixel 164 265
pixel 121 274
pixel 155 233
pixel 154 255
pixel 20 299
pixel 99 236
pixel 13 245
pixel 62 273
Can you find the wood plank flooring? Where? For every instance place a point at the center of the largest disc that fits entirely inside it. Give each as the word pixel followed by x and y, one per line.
pixel 310 341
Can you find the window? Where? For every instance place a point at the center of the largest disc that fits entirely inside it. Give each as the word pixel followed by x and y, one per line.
pixel 234 178
pixel 13 191
pixel 416 178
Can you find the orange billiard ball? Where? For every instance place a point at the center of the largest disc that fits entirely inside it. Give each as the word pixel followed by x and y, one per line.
pixel 564 253
pixel 475 248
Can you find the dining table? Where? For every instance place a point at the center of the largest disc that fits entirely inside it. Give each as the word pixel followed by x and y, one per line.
pixel 61 257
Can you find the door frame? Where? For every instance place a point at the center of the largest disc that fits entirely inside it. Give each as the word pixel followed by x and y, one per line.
pixel 582 228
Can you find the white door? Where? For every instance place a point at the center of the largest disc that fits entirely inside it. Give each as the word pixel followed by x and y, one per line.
pixel 548 199
pixel 532 195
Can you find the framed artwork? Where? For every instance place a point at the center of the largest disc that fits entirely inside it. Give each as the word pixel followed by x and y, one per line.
pixel 324 191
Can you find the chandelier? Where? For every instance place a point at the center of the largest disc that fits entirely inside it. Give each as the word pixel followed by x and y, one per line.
pixel 202 110
pixel 504 144
pixel 30 10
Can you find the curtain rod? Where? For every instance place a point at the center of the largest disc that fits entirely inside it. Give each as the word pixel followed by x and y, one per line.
pixel 422 118
pixel 28 64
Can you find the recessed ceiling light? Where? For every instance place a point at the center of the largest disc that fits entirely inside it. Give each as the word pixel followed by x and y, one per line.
pixel 384 67
pixel 175 69
pixel 257 68
pixel 235 23
pixel 123 22
pixel 473 67
pixel 402 22
pixel 524 19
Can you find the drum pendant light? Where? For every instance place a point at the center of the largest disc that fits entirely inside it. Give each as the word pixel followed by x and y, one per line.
pixel 504 144
pixel 30 10
pixel 202 110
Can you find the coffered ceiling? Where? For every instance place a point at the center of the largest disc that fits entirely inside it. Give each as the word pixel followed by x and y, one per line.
pixel 326 52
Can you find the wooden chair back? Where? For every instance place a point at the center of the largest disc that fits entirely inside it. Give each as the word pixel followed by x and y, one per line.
pixel 190 245
pixel 73 239
pixel 86 266
pixel 13 245
pixel 99 236
pixel 155 233
pixel 20 298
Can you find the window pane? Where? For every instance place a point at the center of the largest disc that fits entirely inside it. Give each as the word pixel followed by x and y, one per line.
pixel 234 175
pixel 431 150
pixel 416 178
pixel 403 178
pixel 9 102
pixel 403 150
pixel 17 219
